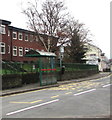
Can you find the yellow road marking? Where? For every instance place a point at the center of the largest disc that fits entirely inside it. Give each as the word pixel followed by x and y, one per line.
pixel 36 101
pixel 26 102
pixel 68 93
pixel 55 96
pixel 80 90
pixel 20 102
pixel 76 85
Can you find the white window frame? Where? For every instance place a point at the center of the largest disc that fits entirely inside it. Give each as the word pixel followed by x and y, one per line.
pixel 14 49
pixel 15 34
pixel 20 51
pixel 25 37
pixel 2 29
pixel 2 45
pixel 42 50
pixel 26 50
pixel 8 49
pixel 20 38
pixel 8 32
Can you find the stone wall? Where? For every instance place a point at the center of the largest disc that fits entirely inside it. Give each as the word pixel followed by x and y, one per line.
pixel 68 75
pixel 17 80
pixel 11 81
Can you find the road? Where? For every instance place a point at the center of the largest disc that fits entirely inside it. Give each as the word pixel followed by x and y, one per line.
pixel 88 99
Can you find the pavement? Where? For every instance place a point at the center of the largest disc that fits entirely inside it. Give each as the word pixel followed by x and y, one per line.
pixel 36 86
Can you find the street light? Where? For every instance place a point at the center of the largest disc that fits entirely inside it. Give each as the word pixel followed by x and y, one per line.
pixel 61 54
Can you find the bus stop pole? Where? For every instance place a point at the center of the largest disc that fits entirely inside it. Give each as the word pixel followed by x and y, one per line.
pixel 40 71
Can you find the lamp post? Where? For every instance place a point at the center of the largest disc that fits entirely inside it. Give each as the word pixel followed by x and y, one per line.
pixel 61 54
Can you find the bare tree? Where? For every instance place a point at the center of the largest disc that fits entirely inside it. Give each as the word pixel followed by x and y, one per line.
pixel 50 20
pixel 53 22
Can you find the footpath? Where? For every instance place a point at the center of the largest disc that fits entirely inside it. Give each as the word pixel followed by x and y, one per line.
pixel 36 86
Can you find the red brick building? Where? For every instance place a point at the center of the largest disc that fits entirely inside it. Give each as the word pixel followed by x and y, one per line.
pixel 15 42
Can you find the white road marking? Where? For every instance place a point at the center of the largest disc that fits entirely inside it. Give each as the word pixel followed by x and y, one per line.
pixel 28 108
pixel 84 92
pixel 106 85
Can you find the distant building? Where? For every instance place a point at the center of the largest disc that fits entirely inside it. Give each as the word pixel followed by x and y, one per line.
pixel 95 56
pixel 110 64
pixel 15 42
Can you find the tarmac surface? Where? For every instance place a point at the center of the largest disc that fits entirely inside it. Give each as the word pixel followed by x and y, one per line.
pixel 36 86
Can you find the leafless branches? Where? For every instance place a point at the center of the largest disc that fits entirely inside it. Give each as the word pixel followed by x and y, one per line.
pixel 53 20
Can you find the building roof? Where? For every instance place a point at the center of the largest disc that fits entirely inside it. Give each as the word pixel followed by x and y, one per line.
pixel 29 31
pixel 33 53
pixel 94 46
pixel 5 22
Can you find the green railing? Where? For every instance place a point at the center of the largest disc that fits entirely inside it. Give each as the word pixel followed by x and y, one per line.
pixel 79 67
pixel 19 68
pixel 23 68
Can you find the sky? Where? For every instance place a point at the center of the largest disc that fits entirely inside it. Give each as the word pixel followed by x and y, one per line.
pixel 95 14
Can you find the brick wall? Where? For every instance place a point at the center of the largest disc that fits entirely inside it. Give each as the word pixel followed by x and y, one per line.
pixel 10 42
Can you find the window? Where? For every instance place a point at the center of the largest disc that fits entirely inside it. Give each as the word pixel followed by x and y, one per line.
pixel 2 29
pixel 31 38
pixel 31 49
pixel 85 49
pixel 14 35
pixel 8 49
pixel 8 32
pixel 20 51
pixel 15 51
pixel 26 50
pixel 92 54
pixel 26 37
pixel 42 50
pixel 20 36
pixel 2 48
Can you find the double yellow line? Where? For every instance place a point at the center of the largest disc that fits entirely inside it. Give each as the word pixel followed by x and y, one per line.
pixel 26 102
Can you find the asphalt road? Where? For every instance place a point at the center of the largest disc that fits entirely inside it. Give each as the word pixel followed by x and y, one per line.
pixel 88 99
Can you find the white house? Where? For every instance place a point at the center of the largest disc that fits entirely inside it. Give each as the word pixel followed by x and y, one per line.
pixel 95 56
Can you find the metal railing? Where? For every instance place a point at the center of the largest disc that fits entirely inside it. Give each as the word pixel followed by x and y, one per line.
pixel 23 68
pixel 79 67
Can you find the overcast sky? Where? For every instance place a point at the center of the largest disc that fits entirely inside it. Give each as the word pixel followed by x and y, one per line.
pixel 95 14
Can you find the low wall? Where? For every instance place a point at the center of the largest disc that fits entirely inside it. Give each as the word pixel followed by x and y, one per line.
pixel 30 78
pixel 68 75
pixel 16 80
pixel 11 81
